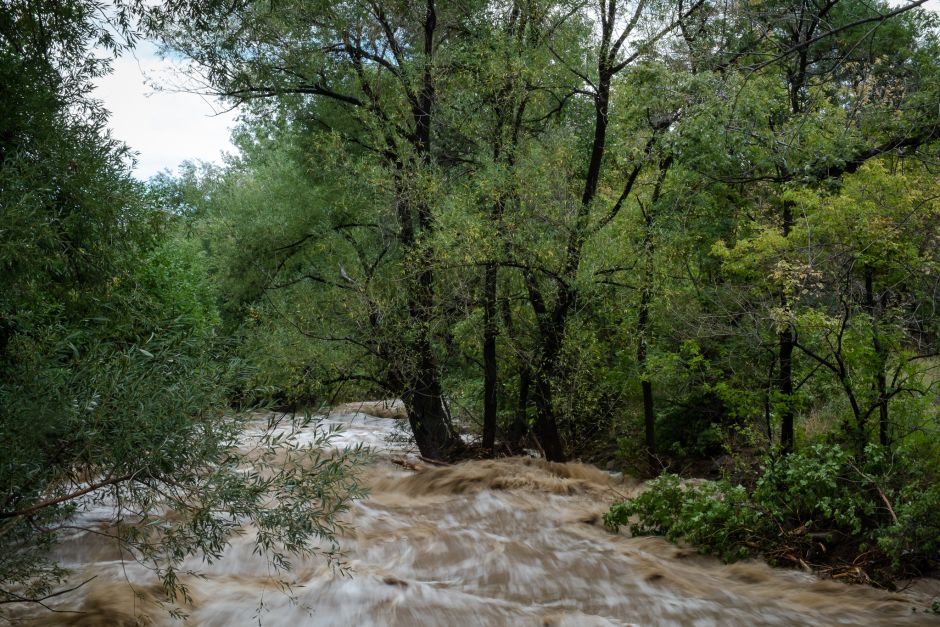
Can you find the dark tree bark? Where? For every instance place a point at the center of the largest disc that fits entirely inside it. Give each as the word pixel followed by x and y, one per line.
pixel 880 377
pixel 550 337
pixel 554 318
pixel 490 366
pixel 554 322
pixel 546 427
pixel 509 109
pixel 786 342
pixel 643 318
pixel 424 395
pixel 805 20
pixel 785 387
pixel 520 422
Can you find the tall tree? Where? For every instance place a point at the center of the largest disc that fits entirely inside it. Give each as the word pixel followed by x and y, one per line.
pixel 377 69
pixel 112 381
pixel 443 109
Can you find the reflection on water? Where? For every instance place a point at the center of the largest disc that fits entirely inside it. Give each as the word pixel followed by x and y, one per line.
pixel 505 542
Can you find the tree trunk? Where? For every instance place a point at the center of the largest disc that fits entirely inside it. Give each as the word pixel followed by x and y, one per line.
pixel 554 322
pixel 649 416
pixel 520 423
pixel 428 417
pixel 785 387
pixel 649 426
pixel 768 394
pixel 550 336
pixel 643 317
pixel 546 428
pixel 642 330
pixel 490 372
pixel 422 391
pixel 881 381
pixel 787 341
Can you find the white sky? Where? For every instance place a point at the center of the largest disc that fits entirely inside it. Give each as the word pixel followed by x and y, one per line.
pixel 165 128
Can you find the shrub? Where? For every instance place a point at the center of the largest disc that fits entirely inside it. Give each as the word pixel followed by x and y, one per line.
pixel 692 427
pixel 820 507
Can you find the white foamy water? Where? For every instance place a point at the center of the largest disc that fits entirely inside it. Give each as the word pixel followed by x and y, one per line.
pixel 494 542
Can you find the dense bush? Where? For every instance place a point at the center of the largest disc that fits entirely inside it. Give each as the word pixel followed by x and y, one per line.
pixel 692 426
pixel 816 508
pixel 112 375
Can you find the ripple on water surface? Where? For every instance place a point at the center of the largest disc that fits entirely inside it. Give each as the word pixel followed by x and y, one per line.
pixel 493 542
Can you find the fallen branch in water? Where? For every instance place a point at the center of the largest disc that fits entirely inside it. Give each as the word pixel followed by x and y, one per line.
pixel 433 462
pixel 405 463
pixel 15 598
pixel 32 509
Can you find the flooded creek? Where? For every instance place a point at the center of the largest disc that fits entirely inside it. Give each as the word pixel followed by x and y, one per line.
pixel 499 542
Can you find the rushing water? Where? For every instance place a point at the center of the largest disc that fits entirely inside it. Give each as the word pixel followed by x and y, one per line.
pixel 505 542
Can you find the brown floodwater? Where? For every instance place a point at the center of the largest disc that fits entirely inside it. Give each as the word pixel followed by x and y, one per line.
pixel 506 542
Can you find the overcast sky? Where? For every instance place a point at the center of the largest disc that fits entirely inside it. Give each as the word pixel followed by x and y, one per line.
pixel 165 128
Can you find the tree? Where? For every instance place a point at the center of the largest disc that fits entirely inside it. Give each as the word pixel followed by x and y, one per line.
pixel 829 58
pixel 433 126
pixel 867 331
pixel 112 377
pixel 374 72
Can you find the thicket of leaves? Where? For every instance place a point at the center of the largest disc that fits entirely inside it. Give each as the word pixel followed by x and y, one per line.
pixel 686 283
pixel 862 521
pixel 114 377
pixel 643 233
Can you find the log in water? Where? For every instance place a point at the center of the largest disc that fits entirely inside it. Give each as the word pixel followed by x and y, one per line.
pixel 502 542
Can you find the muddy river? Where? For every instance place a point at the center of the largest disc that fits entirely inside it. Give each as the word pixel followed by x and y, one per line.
pixel 508 542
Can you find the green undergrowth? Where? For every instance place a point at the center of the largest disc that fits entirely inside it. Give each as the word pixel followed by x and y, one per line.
pixel 868 521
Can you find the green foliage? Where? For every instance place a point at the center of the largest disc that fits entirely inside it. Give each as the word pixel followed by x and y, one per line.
pixel 408 187
pixel 914 539
pixel 813 490
pixel 798 508
pixel 692 427
pixel 713 516
pixel 735 200
pixel 113 376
